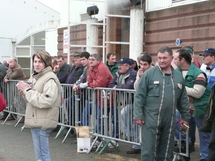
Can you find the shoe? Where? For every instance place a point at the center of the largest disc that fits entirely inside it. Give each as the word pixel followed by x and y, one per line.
pixel 97 143
pixel 133 151
pixel 183 147
pixel 113 144
pixel 128 138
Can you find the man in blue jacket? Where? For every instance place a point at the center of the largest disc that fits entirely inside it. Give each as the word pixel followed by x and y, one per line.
pixel 124 79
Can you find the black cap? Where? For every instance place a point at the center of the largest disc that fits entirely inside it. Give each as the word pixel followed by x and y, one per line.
pixel 208 51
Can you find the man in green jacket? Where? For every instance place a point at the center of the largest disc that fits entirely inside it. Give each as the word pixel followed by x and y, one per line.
pixel 111 63
pixel 198 91
pixel 161 90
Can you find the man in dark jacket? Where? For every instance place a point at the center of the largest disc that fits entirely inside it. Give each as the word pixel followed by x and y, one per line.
pixel 124 79
pixel 71 78
pixel 75 72
pixel 64 68
pixel 3 70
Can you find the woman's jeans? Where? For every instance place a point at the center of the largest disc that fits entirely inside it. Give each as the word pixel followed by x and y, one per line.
pixel 41 144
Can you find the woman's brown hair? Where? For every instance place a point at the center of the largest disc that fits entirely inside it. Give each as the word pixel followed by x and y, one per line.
pixel 44 56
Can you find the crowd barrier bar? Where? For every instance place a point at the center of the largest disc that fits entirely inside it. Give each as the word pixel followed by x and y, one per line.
pixel 103 108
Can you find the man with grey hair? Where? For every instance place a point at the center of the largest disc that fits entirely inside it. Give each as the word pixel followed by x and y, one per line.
pixel 99 76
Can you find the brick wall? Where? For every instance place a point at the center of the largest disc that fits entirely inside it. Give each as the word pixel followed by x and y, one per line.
pixel 194 24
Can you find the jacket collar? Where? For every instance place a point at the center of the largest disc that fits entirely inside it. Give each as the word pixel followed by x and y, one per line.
pixel 44 71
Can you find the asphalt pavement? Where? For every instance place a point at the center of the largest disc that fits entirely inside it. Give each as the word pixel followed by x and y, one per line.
pixel 16 145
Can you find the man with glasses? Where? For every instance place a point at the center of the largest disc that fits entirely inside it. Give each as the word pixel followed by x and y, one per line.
pixel 99 76
pixel 124 79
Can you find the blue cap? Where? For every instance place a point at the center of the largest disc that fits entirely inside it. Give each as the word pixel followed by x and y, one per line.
pixel 125 61
pixel 208 51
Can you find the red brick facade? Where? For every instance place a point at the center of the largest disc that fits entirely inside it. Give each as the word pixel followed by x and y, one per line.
pixel 194 24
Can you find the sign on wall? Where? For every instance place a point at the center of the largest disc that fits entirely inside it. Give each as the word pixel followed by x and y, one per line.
pixel 65 41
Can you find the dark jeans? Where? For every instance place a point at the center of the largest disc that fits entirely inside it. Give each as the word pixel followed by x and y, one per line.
pixel 114 120
pixel 192 130
pixel 211 147
pixel 72 110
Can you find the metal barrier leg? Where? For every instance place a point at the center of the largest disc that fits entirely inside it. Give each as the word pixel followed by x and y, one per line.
pixel 175 157
pixel 67 134
pixel 22 128
pixel 6 118
pixel 106 142
pixel 105 145
pixel 92 144
pixel 60 131
pixel 18 121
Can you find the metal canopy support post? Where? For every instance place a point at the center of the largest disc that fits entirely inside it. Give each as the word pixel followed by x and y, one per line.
pixel 68 54
pixel 92 35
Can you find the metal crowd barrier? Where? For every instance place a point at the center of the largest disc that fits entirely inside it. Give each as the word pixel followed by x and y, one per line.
pixel 15 102
pixel 107 111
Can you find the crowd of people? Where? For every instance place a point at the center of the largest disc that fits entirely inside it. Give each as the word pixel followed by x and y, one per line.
pixel 172 93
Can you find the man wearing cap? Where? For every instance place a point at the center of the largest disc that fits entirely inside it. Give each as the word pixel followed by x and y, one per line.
pixel 208 57
pixel 194 61
pixel 71 78
pixel 75 72
pixel 125 76
pixel 208 67
pixel 124 79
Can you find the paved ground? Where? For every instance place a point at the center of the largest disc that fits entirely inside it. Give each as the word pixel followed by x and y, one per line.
pixel 16 145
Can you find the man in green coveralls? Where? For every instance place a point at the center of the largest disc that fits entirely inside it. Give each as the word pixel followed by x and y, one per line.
pixel 161 90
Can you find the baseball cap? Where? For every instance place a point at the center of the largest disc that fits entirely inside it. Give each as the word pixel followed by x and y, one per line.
pixel 125 60
pixel 208 51
pixel 77 54
pixel 189 50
